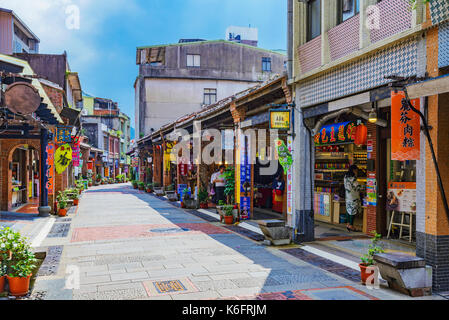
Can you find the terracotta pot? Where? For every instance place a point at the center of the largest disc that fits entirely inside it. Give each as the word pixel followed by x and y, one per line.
pixel 183 205
pixel 229 219
pixel 204 206
pixel 19 286
pixel 76 202
pixel 62 212
pixel 364 273
pixel 2 283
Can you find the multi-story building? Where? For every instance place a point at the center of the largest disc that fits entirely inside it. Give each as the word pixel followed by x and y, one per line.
pixel 108 129
pixel 15 36
pixel 344 58
pixel 182 78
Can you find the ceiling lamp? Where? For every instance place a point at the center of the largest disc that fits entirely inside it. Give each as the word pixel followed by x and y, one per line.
pixel 372 116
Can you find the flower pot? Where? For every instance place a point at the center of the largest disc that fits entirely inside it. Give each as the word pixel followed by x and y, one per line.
pixel 2 283
pixel 62 212
pixel 204 205
pixel 364 273
pixel 76 202
pixel 18 286
pixel 228 219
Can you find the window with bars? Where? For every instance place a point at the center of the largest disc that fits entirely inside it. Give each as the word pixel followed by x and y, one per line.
pixel 194 60
pixel 266 64
pixel 210 96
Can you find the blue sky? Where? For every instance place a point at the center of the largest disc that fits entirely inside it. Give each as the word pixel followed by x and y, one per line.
pixel 103 49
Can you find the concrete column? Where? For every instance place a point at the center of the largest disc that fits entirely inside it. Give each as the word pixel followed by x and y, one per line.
pixel 326 24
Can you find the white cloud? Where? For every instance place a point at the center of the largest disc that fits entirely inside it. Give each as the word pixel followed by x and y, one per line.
pixel 47 19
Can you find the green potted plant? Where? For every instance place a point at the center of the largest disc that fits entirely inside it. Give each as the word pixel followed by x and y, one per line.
pixel 20 262
pixel 75 197
pixel 230 185
pixel 134 184
pixel 62 202
pixel 368 258
pixel 3 258
pixel 141 185
pixel 228 214
pixel 203 197
pixel 149 188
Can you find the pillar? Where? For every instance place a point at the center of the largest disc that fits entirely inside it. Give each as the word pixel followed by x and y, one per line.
pixel 44 209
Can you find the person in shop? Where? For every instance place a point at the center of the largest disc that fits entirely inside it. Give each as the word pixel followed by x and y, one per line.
pixel 278 193
pixel 353 199
pixel 219 181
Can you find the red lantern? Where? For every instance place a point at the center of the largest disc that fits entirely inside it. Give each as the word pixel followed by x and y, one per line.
pixel 361 135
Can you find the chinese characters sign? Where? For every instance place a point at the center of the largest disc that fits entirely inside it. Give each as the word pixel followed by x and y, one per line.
pixel 337 133
pixel 405 128
pixel 289 187
pixel 280 119
pixel 401 196
pixel 63 157
pixel 76 154
pixel 50 168
pixel 245 177
pixel 63 134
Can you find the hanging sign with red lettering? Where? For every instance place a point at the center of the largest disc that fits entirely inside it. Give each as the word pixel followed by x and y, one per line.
pixel 50 168
pixel 405 128
pixel 337 133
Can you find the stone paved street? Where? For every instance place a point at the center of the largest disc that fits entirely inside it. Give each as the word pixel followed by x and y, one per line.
pixel 127 244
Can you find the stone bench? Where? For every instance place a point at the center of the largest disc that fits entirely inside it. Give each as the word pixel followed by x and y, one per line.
pixel 275 231
pixel 405 273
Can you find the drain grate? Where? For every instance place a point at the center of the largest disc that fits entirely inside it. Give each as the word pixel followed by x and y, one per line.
pixel 51 263
pixel 59 230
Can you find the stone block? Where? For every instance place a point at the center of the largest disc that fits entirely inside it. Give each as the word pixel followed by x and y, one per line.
pixel 275 231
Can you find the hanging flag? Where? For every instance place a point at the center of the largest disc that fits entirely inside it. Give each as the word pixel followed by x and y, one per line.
pixel 405 128
pixel 50 168
pixel 63 157
pixel 284 155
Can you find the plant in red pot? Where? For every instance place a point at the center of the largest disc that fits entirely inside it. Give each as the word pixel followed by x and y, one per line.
pixel 20 263
pixel 63 204
pixel 228 214
pixel 203 197
pixel 3 259
pixel 368 259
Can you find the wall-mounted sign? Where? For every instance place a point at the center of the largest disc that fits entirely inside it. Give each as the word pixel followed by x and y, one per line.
pixel 290 186
pixel 337 133
pixel 63 157
pixel 50 168
pixel 280 119
pixel 63 134
pixel 405 128
pixel 371 190
pixel 76 154
pixel 401 196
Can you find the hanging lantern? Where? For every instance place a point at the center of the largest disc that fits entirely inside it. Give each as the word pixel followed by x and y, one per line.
pixel 361 135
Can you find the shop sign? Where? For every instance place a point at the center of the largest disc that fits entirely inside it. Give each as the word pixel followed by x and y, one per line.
pixel 76 155
pixel 371 190
pixel 284 155
pixel 181 188
pixel 63 134
pixel 337 133
pixel 245 207
pixel 405 128
pixel 90 165
pixel 401 196
pixel 245 177
pixel 369 145
pixel 289 187
pixel 135 162
pixel 50 168
pixel 63 157
pixel 280 119
pixel 106 171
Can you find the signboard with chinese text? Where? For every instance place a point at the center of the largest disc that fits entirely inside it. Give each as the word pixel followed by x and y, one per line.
pixel 337 133
pixel 50 168
pixel 371 190
pixel 290 186
pixel 76 155
pixel 245 177
pixel 405 128
pixel 63 157
pixel 401 196
pixel 63 134
pixel 280 119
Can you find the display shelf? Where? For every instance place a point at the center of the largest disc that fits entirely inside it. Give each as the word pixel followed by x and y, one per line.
pixel 331 170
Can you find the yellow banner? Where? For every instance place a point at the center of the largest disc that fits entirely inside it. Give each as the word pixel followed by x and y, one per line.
pixel 63 157
pixel 280 120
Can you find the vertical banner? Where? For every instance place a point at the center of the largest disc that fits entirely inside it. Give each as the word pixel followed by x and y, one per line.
pixel 405 128
pixel 245 177
pixel 289 186
pixel 76 154
pixel 50 168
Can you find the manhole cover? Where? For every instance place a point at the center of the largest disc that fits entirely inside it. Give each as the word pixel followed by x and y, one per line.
pixel 169 230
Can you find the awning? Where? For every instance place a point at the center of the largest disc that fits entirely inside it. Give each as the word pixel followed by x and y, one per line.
pixel 429 87
pixel 46 111
pixel 75 84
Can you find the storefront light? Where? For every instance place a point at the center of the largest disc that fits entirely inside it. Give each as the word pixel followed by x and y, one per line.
pixel 372 116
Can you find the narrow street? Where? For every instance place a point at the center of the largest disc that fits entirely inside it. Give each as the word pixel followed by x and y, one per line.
pixel 131 245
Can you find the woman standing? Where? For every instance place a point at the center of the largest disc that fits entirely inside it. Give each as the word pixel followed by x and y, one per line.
pixel 353 201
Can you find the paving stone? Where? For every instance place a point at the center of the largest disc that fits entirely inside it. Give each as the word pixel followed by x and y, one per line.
pixel 129 276
pixel 197 295
pixel 215 285
pixel 120 286
pixel 95 280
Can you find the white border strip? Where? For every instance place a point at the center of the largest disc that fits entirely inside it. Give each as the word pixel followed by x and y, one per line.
pixel 37 241
pixel 332 257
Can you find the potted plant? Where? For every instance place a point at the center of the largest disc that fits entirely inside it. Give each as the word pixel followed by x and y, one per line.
pixel 203 197
pixel 230 184
pixel 3 259
pixel 62 202
pixel 368 258
pixel 89 182
pixel 20 263
pixel 228 214
pixel 75 197
pixel 134 184
pixel 149 187
pixel 188 201
pixel 141 185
